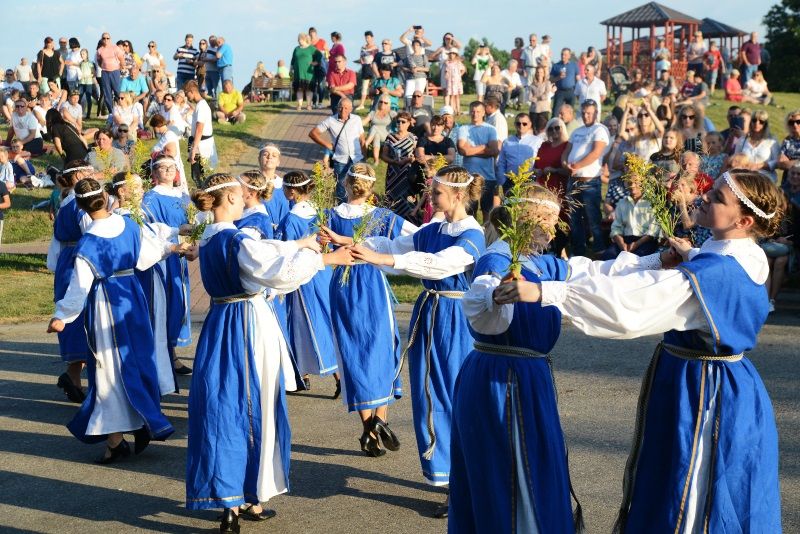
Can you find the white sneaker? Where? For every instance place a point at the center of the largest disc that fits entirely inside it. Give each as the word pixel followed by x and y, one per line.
pixel 771 305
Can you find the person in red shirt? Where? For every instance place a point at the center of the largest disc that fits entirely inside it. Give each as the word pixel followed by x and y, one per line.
pixel 341 81
pixel 713 64
pixel 551 173
pixel 337 48
pixel 733 89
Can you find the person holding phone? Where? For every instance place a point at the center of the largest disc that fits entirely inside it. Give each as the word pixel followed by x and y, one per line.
pixel 564 74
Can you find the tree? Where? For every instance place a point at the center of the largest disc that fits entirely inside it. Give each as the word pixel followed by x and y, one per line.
pixel 499 55
pixel 783 41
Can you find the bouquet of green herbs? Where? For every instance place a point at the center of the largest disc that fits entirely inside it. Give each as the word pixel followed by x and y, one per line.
pixel 371 223
pixel 323 196
pixel 654 189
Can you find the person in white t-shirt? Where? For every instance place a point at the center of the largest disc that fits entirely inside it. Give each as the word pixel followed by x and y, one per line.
pixel 25 127
pixel 583 158
pixel 511 75
pixel 346 133
pixel 23 72
pixel 591 88
pixel 72 63
pixel 202 138
pixel 496 118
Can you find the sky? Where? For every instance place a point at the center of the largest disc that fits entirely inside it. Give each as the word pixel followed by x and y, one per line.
pixel 267 30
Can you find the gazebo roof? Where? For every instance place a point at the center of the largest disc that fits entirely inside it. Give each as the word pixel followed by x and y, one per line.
pixel 714 28
pixel 650 14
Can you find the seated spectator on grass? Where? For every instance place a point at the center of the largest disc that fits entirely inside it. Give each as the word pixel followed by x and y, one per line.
pixel 6 171
pixel 756 90
pixel 123 141
pixel 5 203
pixel 690 172
pixel 171 112
pixel 21 164
pixel 713 160
pixel 515 87
pixel 106 160
pixel 668 158
pixel 125 112
pixel 72 111
pixel 26 128
pixel 760 146
pixel 634 228
pixel 135 84
pixel 69 144
pixel 700 91
pixel 230 104
pixel 10 83
pixel 733 88
pixel 8 104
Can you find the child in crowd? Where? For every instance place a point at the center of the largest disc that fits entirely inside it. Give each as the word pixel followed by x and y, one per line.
pixel 454 71
pixel 713 160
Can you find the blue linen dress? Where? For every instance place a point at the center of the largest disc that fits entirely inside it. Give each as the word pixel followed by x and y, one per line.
pixel 509 465
pixel 364 326
pixel 170 209
pixel 308 308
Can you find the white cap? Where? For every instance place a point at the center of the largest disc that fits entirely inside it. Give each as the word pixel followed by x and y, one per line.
pixel 446 110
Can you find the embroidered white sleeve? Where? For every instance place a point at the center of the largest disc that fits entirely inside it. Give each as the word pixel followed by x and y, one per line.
pixel 275 264
pixel 74 300
pixel 385 245
pixel 483 314
pixel 447 262
pixel 628 306
pixel 154 247
pixel 625 263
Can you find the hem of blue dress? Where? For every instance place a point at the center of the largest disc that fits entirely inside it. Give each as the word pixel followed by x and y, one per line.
pixel 366 405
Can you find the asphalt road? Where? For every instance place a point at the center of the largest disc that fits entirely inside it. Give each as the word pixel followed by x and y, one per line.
pixel 48 482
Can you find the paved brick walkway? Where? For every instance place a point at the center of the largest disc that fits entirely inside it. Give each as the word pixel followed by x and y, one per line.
pixel 289 130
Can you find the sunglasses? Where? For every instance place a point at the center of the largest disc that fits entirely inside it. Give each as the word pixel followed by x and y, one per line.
pixel 401 121
pixel 20 106
pixel 554 128
pixel 384 102
pixel 643 115
pixel 760 121
pixel 522 124
pixel 684 117
pixel 151 46
pixel 168 99
pixel 122 131
pixel 794 122
pixel 417 96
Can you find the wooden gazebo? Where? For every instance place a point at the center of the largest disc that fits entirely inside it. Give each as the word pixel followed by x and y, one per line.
pixel 675 27
pixel 728 36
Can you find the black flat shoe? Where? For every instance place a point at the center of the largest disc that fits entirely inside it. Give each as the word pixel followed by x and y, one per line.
pixel 250 515
pixel 183 370
pixel 230 522
pixel 338 390
pixel 73 392
pixel 441 510
pixel 142 440
pixel 382 430
pixel 371 446
pixel 122 450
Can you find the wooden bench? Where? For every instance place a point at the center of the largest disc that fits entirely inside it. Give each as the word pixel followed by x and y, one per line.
pixel 280 87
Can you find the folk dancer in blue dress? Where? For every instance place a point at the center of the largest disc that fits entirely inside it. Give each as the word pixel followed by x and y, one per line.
pixel 509 464
pixel 308 309
pixel 442 254
pixel 123 393
pixel 705 450
pixel 269 159
pixel 368 356
pixel 239 436
pixel 68 227
pixel 166 204
pixel 126 188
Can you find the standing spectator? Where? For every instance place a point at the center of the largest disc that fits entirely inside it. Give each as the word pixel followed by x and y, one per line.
pixel 346 141
pixel 533 56
pixel 50 65
pixel 583 159
pixel 416 68
pixel 185 55
pixel 750 56
pixel 477 143
pixel 212 71
pixel 320 64
pixel 662 56
pixel 421 115
pixel 695 53
pixel 62 50
pixel 713 66
pixel 551 173
pixel 72 63
pixel 224 59
pixel 398 153
pixel 366 59
pixel 25 127
pixel 230 105
pixel 692 127
pixel 387 85
pixel 5 203
pixel 450 131
pixel 109 58
pixel 341 81
pixel 419 34
pixel 517 148
pixel 337 48
pixel 540 94
pixel 202 138
pixel 761 148
pixel 567 114
pixel 153 59
pixel 386 58
pixel 482 60
pixel 453 71
pixel 86 81
pixel 303 70
pixel 378 120
pixel 200 65
pixel 442 54
pixel 494 84
pixel 435 144
pixel 516 55
pixel 495 117
pixel 565 75
pixel 590 87
pixel 23 73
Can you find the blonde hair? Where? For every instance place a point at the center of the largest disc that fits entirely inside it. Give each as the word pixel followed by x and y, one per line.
pixel 459 175
pixel 500 216
pixel 793 113
pixel 257 180
pixel 739 161
pixel 206 201
pixel 766 196
pixel 563 137
pixel 359 187
pixel 303 38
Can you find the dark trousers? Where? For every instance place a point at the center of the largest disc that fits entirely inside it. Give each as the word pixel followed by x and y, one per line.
pixel 110 81
pixel 340 170
pixel 650 247
pixel 181 79
pixel 86 98
pixel 563 96
pixel 586 216
pixel 212 81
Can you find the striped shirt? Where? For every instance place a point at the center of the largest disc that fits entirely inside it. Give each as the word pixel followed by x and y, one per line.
pixel 186 57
